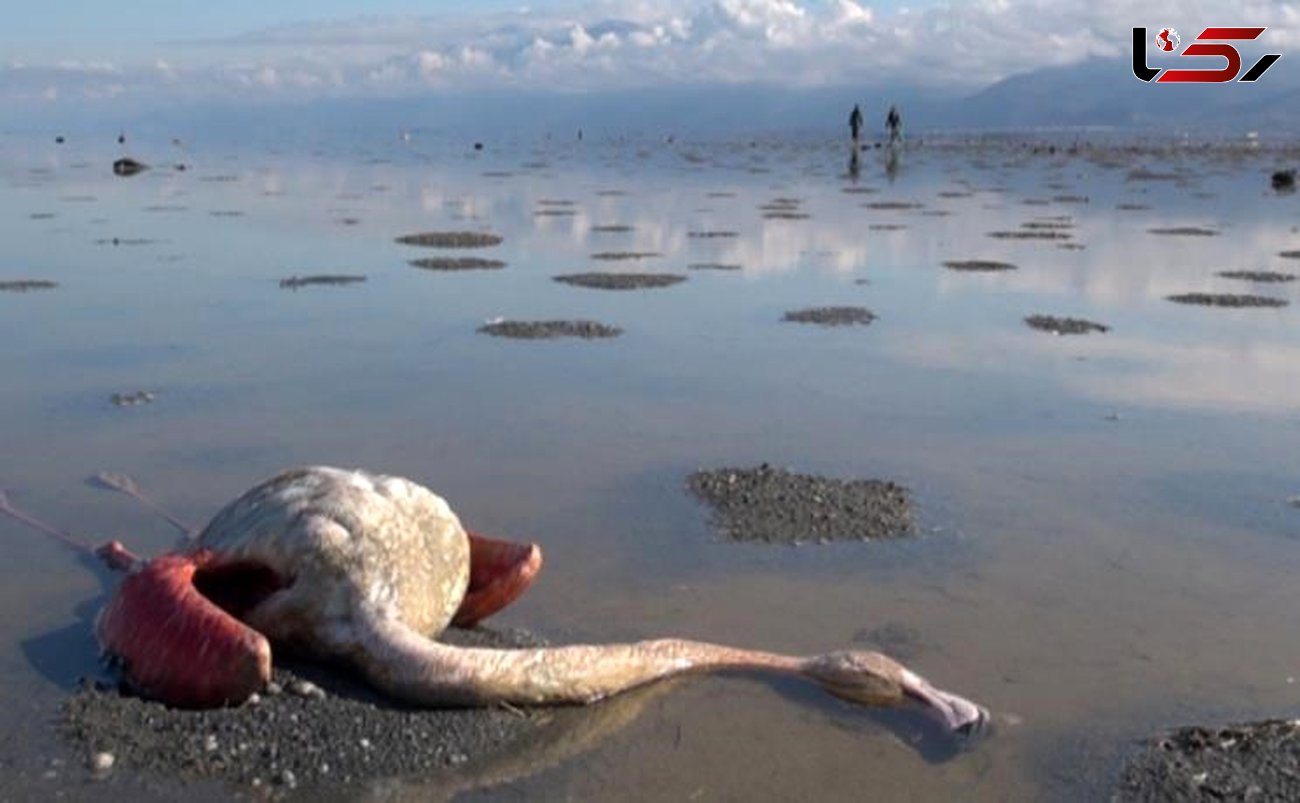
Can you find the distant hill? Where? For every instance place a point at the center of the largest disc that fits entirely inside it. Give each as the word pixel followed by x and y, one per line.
pixel 1095 93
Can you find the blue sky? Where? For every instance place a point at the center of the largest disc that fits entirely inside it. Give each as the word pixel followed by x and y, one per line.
pixel 86 51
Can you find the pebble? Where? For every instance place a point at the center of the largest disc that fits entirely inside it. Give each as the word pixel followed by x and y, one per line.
pixel 101 762
pixel 210 743
pixel 305 688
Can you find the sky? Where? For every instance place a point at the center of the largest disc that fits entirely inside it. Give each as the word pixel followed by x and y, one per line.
pixel 87 51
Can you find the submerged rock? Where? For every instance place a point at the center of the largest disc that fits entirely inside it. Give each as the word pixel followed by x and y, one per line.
pixel 127 166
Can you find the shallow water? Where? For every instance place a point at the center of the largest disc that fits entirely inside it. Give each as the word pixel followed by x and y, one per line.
pixel 1107 547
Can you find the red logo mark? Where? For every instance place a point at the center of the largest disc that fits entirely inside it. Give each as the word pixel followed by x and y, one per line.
pixel 1210 42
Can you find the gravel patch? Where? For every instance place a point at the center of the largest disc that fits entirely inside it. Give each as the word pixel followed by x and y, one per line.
pixel 1258 761
pixel 548 330
pixel 324 280
pixel 617 256
pixel 1031 234
pixel 896 206
pixel 134 398
pixel 310 726
pixel 452 239
pixel 1228 300
pixel 978 265
pixel 1064 326
pixel 1257 275
pixel 1184 231
pixel 26 285
pixel 831 316
pixel 621 281
pixel 456 263
pixel 772 505
pixel 713 266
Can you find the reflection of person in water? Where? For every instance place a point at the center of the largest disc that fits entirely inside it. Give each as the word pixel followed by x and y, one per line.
pixel 894 122
pixel 855 122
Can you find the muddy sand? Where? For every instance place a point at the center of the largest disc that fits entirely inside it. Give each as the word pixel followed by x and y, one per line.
pixel 621 281
pixel 831 316
pixel 978 265
pixel 26 285
pixel 322 280
pixel 548 330
pixel 1064 326
pixel 1271 276
pixel 1227 300
pixel 771 505
pixel 311 726
pixel 1258 761
pixel 452 239
pixel 456 263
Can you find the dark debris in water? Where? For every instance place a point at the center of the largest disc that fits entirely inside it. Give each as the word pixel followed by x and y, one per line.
pixel 772 505
pixel 621 281
pixel 451 239
pixel 1257 761
pixel 725 266
pixel 831 316
pixel 457 263
pixel 549 330
pixel 323 280
pixel 1064 326
pixel 1227 300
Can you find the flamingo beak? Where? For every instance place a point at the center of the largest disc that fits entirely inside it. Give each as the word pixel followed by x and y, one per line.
pixel 958 716
pixel 500 572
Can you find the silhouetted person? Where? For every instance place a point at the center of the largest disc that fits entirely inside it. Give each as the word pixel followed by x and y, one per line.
pixel 894 122
pixel 855 122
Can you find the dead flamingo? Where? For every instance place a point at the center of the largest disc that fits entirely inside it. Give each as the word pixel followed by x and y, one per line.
pixel 368 570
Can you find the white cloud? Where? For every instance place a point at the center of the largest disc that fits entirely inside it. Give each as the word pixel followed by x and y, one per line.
pixel 619 44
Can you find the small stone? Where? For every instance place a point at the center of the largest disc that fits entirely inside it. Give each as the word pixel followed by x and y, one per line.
pixel 102 762
pixel 365 743
pixel 273 689
pixel 305 688
pixel 254 699
pixel 210 743
pixel 287 778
